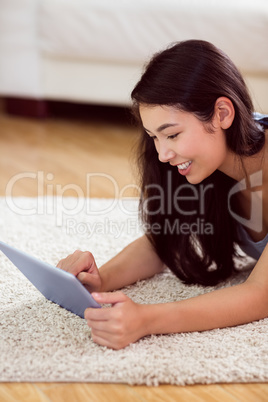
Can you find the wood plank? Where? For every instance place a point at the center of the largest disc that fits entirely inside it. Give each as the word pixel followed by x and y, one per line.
pixel 90 392
pixel 194 393
pixel 248 392
pixel 58 157
pixel 21 392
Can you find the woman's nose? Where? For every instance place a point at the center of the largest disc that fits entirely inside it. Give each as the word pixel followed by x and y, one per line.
pixel 165 154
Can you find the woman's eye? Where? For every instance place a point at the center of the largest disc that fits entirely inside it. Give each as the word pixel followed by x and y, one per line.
pixel 171 137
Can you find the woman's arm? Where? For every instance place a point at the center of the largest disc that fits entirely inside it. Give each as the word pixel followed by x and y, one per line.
pixel 135 262
pixel 127 321
pixel 226 307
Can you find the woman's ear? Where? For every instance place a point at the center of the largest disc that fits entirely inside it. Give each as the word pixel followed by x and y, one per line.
pixel 224 112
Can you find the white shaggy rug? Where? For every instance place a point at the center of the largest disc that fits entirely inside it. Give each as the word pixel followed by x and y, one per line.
pixel 40 341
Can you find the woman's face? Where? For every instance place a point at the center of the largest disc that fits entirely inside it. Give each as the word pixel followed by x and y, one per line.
pixel 183 141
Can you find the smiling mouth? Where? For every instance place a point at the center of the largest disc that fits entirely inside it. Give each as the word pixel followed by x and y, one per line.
pixel 184 166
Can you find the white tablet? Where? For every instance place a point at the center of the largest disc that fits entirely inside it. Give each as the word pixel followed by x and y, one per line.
pixel 56 285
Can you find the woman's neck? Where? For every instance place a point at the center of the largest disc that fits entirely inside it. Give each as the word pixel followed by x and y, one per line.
pixel 240 168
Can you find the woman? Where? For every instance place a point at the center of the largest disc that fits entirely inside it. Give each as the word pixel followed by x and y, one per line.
pixel 204 174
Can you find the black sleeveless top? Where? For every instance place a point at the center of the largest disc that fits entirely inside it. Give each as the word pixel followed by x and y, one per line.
pixel 250 247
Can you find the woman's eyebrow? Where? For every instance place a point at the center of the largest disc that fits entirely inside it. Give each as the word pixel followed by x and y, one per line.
pixel 162 127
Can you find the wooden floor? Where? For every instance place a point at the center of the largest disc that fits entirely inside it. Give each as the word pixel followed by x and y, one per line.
pixel 55 156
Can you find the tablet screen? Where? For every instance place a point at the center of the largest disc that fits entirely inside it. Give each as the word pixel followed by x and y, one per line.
pixel 56 285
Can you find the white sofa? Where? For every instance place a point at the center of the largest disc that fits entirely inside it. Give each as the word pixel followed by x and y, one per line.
pixel 93 50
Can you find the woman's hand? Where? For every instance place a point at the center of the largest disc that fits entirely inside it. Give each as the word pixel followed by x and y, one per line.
pixel 116 326
pixel 82 264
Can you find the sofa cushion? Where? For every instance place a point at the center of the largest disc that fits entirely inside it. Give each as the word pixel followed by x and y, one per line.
pixel 130 31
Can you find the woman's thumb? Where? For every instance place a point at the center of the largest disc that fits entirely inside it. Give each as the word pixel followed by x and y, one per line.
pixel 109 297
pixel 85 278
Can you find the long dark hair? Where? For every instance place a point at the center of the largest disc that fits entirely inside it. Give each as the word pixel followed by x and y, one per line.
pixel 197 242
